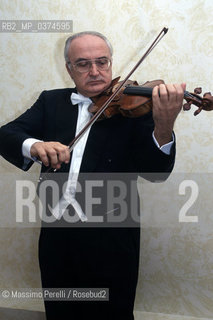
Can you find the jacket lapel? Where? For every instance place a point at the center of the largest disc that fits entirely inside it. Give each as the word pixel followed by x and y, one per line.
pixel 65 125
pixel 66 119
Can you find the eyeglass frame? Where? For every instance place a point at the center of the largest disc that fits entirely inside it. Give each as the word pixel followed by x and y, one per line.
pixel 91 62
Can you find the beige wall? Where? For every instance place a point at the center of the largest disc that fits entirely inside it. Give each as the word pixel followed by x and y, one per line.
pixel 176 259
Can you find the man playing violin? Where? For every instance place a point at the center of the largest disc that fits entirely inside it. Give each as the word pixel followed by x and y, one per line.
pixel 89 64
pixel 91 257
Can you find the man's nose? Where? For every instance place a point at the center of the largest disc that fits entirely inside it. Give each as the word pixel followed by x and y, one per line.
pixel 93 69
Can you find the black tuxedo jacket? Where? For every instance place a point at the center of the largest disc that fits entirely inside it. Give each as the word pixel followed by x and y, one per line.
pixel 117 144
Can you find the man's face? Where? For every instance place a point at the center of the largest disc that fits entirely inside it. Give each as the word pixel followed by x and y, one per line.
pixel 94 81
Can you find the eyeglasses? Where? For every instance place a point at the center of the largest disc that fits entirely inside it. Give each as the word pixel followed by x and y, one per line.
pixel 85 65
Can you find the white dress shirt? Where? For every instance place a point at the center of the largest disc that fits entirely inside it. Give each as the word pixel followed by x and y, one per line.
pixel 69 195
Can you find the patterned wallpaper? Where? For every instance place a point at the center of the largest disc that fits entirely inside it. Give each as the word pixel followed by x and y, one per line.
pixel 176 259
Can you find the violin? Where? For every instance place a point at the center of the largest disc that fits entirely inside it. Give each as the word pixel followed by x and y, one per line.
pixel 134 100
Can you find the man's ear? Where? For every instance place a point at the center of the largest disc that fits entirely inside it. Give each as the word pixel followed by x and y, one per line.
pixel 68 69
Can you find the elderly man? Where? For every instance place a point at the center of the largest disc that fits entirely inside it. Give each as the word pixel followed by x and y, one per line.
pixel 90 257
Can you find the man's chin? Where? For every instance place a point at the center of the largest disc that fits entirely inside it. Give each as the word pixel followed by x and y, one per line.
pixel 95 90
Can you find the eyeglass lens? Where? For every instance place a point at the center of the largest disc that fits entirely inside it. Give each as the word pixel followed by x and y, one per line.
pixel 85 65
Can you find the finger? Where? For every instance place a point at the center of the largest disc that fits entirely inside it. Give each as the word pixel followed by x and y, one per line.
pixel 57 153
pixel 38 150
pixel 52 156
pixel 179 93
pixel 155 96
pixel 171 93
pixel 46 153
pixel 164 93
pixel 63 153
pixel 183 85
pixel 51 153
pixel 67 156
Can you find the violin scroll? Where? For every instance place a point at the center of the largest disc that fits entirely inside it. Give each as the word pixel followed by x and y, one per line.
pixel 134 100
pixel 205 103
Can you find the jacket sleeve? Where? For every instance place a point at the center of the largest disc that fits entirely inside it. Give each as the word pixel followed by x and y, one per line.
pixel 149 160
pixel 13 134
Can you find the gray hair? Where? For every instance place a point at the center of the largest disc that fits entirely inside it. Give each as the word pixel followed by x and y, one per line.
pixel 80 34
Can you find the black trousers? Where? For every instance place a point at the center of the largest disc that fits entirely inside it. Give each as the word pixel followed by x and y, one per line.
pixel 73 257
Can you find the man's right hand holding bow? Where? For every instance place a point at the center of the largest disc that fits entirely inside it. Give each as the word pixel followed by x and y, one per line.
pixel 51 153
